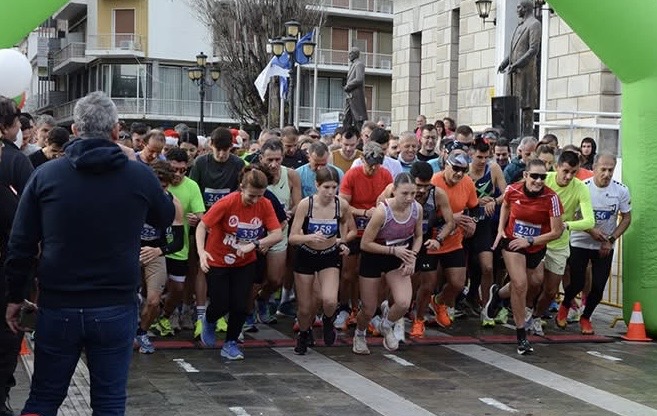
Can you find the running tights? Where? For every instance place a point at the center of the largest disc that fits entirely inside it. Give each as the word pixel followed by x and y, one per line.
pixel 229 289
pixel 600 267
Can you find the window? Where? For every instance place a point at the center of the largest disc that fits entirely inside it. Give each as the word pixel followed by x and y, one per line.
pixel 127 81
pixel 124 28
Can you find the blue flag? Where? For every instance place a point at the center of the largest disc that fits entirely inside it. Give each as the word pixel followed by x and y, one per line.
pixel 284 61
pixel 300 57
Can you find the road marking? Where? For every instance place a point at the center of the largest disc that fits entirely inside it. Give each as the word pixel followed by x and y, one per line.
pixel 599 398
pixel 239 411
pixel 601 355
pixel 498 405
pixel 185 365
pixel 399 360
pixel 512 327
pixel 378 398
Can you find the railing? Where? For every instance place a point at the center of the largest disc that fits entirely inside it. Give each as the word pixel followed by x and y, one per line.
pixel 306 114
pixel 376 6
pixel 572 121
pixel 158 108
pixel 337 57
pixel 51 98
pixel 72 50
pixel 115 41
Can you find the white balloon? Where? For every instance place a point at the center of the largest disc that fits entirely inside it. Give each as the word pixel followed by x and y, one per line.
pixel 15 73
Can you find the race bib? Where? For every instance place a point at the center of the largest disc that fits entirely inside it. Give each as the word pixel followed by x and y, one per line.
pixel 602 215
pixel 247 232
pixel 522 229
pixel 361 223
pixel 328 228
pixel 149 233
pixel 211 195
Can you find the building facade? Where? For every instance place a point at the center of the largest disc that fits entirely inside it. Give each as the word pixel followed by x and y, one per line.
pixel 445 60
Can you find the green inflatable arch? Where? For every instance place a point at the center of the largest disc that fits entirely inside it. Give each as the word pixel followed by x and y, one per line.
pixel 623 34
pixel 19 18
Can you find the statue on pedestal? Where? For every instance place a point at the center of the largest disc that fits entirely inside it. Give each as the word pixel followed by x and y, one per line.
pixel 355 112
pixel 521 65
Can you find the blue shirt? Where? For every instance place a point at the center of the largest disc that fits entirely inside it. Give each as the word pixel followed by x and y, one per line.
pixel 406 167
pixel 308 179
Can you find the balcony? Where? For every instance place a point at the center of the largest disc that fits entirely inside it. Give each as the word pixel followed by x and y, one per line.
pixel 71 9
pixel 306 115
pixel 115 44
pixel 338 61
pixel 70 58
pixel 158 109
pixel 381 10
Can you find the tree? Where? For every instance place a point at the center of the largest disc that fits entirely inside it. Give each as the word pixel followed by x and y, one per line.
pixel 241 30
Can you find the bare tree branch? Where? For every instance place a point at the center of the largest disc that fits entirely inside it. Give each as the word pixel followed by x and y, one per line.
pixel 241 30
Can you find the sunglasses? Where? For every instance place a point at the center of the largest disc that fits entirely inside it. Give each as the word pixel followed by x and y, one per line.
pixel 537 176
pixel 460 169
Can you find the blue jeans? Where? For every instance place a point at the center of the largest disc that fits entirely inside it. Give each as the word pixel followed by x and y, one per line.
pixel 106 335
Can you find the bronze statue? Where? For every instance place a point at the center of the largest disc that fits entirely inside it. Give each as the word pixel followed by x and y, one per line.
pixel 356 110
pixel 521 65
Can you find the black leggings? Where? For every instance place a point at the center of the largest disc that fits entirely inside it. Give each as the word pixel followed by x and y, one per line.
pixel 229 289
pixel 600 268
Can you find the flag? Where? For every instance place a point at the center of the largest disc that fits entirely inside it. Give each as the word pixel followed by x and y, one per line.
pixel 299 56
pixel 271 70
pixel 284 61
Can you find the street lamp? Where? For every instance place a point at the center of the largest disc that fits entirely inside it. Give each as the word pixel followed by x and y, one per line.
pixel 288 45
pixel 199 76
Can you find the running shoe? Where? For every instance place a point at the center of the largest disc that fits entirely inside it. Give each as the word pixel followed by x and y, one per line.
pixel 537 327
pixel 250 324
pixel 562 317
pixel 351 320
pixel 502 316
pixel 573 313
pixel 385 308
pixel 286 309
pixel 222 325
pixel 187 317
pixel 341 320
pixel 585 326
pixel 442 316
pixel 163 327
pixel 529 321
pixel 328 330
pixel 360 345
pixel 145 344
pixel 303 341
pixel 524 347
pixel 264 314
pixel 208 338
pixel 486 322
pixel 417 328
pixel 400 330
pixel 554 306
pixel 175 321
pixel 198 327
pixel 491 308
pixel 373 326
pixel 390 341
pixel 232 351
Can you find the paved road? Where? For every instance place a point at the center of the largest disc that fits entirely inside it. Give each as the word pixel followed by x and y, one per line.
pixel 477 378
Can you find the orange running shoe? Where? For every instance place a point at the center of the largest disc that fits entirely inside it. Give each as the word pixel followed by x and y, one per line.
pixel 417 328
pixel 585 326
pixel 442 316
pixel 351 321
pixel 562 317
pixel 373 326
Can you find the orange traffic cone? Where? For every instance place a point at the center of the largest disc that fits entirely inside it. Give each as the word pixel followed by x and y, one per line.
pixel 636 331
pixel 25 350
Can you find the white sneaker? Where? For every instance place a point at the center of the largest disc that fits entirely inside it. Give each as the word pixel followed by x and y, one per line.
pixel 174 319
pixel 360 345
pixel 537 327
pixel 573 315
pixel 341 320
pixel 528 318
pixel 400 330
pixel 390 341
pixel 376 323
pixel 385 308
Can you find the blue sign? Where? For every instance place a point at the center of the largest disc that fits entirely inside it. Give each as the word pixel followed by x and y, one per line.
pixel 328 128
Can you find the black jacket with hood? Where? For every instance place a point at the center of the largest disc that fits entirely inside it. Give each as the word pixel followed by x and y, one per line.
pixel 87 209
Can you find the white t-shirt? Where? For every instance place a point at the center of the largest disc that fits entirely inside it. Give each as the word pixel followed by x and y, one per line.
pixel 607 203
pixel 393 165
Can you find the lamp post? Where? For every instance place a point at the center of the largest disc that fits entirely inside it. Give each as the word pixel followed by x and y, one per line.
pixel 199 76
pixel 288 45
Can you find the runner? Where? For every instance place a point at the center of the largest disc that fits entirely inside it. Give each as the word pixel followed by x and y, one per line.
pixel 154 142
pixel 490 184
pixel 382 137
pixel 390 244
pixel 609 199
pixel 513 171
pixel 320 232
pixel 577 216
pixel 462 196
pixel 154 247
pixel 233 227
pixel 216 174
pixel 546 154
pixel 293 157
pixel 428 140
pixel 347 153
pixel 502 151
pixel 318 155
pixel 360 188
pixel 530 218
pixel 408 153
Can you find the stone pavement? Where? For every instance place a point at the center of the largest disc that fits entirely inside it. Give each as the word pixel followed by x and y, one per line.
pixel 449 379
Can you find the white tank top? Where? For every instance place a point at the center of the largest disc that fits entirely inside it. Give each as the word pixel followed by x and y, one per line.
pixel 282 188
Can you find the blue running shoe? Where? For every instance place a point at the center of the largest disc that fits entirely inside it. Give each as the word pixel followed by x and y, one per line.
pixel 208 337
pixel 145 344
pixel 264 313
pixel 250 324
pixel 231 351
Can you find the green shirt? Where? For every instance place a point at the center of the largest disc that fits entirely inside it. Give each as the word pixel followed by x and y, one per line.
pixel 577 208
pixel 189 195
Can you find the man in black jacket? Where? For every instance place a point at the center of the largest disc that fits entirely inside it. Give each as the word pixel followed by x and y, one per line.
pixel 89 264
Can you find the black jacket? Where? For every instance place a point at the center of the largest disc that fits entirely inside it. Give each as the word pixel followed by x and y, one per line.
pixel 15 167
pixel 87 209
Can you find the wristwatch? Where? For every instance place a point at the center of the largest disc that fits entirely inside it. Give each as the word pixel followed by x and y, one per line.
pixel 439 239
pixel 611 239
pixel 530 240
pixel 256 243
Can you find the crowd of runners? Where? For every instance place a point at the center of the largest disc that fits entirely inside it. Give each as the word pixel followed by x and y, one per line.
pixel 368 230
